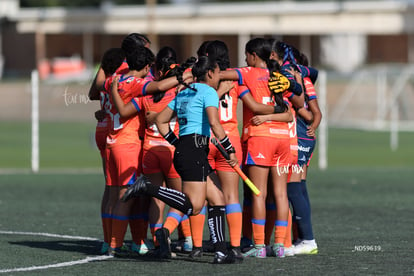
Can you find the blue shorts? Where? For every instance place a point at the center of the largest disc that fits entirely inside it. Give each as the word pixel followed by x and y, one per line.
pixel 305 150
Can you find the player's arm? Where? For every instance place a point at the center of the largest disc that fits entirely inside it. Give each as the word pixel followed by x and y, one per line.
pixel 218 131
pixel 125 110
pixel 317 117
pixel 229 75
pixel 224 87
pixel 286 116
pixel 166 84
pixel 255 107
pixel 162 121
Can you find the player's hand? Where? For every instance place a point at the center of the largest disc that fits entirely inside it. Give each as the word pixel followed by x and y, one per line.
pixel 278 83
pixel 296 74
pixel 258 119
pixel 100 115
pixel 224 87
pixel 311 131
pixel 114 83
pixel 233 160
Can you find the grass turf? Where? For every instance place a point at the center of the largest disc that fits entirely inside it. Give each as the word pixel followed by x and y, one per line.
pixel 352 211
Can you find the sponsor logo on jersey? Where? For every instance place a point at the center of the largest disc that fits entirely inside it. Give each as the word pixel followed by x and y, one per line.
pixel 304 149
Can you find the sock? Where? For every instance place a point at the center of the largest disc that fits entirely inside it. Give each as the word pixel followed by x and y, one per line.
pixel 172 221
pixel 270 221
pixel 247 219
pixel 154 227
pixel 106 226
pixel 185 226
pixel 305 191
pixel 138 225
pixel 197 227
pixel 288 237
pixel 234 221
pixel 301 211
pixel 171 197
pixel 217 229
pixel 295 234
pixel 119 227
pixel 258 226
pixel 280 231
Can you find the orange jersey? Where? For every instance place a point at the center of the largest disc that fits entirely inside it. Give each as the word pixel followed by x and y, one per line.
pixel 256 79
pixel 228 109
pixel 124 131
pixel 152 135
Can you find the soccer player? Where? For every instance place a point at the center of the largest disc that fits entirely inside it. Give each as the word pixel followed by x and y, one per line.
pixel 129 43
pixel 111 61
pixel 197 110
pixel 268 146
pixel 123 141
pixel 157 156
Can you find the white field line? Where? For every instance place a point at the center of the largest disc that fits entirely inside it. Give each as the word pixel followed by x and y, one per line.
pixel 52 171
pixel 71 263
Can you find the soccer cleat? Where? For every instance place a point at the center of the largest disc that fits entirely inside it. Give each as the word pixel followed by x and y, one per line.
pixel 290 251
pixel 143 248
pixel 163 238
pixel 196 253
pixel 237 254
pixel 306 247
pixel 119 252
pixel 184 245
pixel 221 258
pixel 279 250
pixel 258 251
pixel 246 244
pixel 104 248
pixel 139 187
pixel 269 251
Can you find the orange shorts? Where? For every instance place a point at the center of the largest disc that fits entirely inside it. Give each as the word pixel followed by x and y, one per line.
pixel 216 159
pixel 268 151
pixel 155 161
pixel 122 164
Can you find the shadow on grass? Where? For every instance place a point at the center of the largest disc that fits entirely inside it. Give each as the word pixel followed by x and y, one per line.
pixel 93 248
pixel 85 247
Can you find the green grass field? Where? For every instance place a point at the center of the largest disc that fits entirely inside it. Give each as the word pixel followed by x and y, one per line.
pixel 362 210
pixel 352 210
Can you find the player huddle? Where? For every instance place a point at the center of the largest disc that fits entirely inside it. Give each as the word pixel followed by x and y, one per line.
pixel 153 132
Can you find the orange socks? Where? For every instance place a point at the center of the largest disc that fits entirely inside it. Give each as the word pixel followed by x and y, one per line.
pixel 139 228
pixel 258 226
pixel 119 227
pixel 288 238
pixel 234 221
pixel 197 227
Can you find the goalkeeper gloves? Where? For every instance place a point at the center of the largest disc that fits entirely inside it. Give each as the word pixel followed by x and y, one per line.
pixel 278 83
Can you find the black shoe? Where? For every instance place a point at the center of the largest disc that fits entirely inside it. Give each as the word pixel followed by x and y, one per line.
pixel 139 187
pixel 237 254
pixel 196 253
pixel 221 258
pixel 163 238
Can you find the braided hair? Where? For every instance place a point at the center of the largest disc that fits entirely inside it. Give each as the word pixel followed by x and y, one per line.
pixel 180 70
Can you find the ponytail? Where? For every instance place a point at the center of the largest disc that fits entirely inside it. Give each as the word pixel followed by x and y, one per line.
pixel 180 71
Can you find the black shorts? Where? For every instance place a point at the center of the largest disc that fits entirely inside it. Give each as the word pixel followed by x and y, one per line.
pixel 190 157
